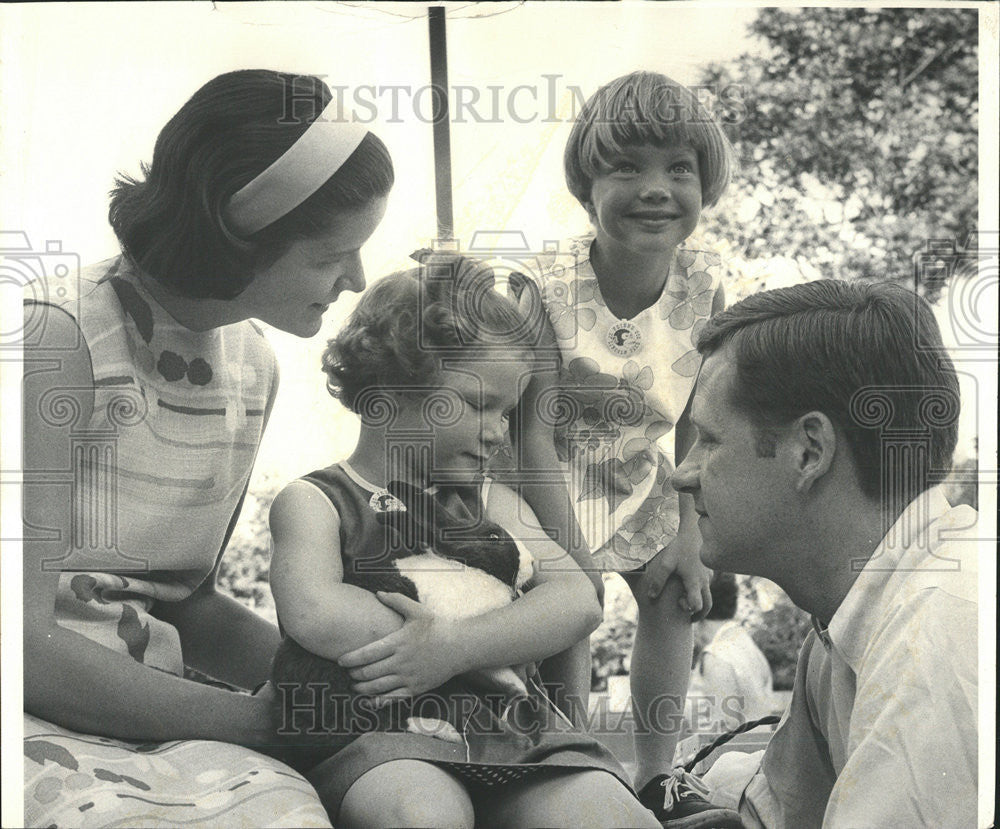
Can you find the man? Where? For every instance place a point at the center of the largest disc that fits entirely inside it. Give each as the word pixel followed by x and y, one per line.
pixel 825 414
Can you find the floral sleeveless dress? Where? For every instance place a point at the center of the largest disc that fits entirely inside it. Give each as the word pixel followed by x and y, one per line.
pixel 624 384
pixel 166 456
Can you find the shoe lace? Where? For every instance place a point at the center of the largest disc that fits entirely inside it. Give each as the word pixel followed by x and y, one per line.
pixel 682 782
pixel 679 784
pixel 670 791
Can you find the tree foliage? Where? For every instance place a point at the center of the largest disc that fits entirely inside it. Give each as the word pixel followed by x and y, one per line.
pixel 779 634
pixel 857 136
pixel 611 644
pixel 246 563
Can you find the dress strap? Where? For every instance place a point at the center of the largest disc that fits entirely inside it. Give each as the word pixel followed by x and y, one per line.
pixel 355 476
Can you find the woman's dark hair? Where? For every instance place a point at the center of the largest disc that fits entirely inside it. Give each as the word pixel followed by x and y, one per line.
pixel 406 322
pixel 868 355
pixel 170 222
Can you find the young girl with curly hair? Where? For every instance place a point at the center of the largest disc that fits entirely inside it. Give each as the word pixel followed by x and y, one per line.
pixel 432 361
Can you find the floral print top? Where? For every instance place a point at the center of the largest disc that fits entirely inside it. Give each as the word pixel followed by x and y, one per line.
pixel 623 386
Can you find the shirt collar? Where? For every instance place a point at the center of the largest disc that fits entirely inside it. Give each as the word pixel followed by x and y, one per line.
pixel 849 629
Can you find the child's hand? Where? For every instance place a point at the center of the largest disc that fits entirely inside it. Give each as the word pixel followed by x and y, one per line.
pixel 680 556
pixel 696 578
pixel 512 682
pixel 265 691
pixel 409 661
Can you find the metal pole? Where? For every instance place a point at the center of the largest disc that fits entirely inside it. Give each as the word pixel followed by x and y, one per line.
pixel 441 119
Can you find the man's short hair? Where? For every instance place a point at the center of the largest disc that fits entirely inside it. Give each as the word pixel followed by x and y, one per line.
pixel 868 355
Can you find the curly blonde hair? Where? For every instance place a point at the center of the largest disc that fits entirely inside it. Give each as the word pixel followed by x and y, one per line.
pixel 407 321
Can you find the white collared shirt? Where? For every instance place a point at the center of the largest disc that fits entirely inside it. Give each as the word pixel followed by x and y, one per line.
pixel 882 727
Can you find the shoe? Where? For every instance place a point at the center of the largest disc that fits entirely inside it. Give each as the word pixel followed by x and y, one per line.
pixel 678 802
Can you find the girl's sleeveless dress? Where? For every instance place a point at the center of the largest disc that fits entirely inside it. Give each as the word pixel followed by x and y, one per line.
pixel 495 749
pixel 166 456
pixel 624 384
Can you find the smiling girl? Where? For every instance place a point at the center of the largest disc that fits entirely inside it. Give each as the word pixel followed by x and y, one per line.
pixel 643 159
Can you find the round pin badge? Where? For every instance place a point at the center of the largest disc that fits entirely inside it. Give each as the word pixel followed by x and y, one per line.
pixel 384 501
pixel 624 338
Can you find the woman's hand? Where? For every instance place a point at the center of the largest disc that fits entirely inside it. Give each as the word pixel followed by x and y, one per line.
pixel 417 657
pixel 260 723
pixel 680 557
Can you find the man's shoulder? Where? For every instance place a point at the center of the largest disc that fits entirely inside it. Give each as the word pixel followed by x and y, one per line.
pixel 929 610
pixel 945 559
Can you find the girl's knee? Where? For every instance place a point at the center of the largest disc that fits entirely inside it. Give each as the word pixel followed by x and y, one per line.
pixel 583 800
pixel 430 811
pixel 599 799
pixel 421 809
pixel 406 793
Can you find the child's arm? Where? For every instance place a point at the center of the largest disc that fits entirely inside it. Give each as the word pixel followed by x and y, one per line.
pixel 316 608
pixel 532 433
pixel 680 556
pixel 559 610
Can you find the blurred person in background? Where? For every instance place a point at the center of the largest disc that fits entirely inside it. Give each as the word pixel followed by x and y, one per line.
pixel 731 682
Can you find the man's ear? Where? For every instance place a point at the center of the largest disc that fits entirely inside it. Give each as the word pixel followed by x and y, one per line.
pixel 815 445
pixel 591 211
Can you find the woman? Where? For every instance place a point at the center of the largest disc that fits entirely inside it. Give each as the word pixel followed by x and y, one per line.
pixel 146 392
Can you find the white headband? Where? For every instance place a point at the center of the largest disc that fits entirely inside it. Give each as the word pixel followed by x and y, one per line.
pixel 300 171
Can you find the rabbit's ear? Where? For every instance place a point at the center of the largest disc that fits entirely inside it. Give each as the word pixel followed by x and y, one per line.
pixel 417 502
pixel 425 517
pixel 415 524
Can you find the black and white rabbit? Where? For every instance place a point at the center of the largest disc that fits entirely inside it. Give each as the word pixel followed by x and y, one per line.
pixel 455 569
